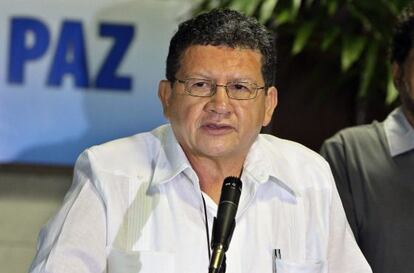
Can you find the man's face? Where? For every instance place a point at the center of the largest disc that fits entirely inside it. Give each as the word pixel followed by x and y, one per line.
pixel 405 84
pixel 217 127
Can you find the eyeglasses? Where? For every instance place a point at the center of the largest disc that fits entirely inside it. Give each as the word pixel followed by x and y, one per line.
pixel 207 88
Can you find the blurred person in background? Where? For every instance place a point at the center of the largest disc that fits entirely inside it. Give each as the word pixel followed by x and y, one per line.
pixel 373 166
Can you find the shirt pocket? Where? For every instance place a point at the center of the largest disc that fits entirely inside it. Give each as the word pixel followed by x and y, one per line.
pixel 283 266
pixel 120 261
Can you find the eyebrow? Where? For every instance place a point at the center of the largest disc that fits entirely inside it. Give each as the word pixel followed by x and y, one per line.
pixel 205 77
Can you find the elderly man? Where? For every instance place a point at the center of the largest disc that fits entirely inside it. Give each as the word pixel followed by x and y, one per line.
pixel 373 167
pixel 146 203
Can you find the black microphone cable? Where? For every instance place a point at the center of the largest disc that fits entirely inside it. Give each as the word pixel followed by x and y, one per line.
pixel 206 225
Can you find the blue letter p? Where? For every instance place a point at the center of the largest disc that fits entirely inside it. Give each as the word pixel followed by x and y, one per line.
pixel 23 49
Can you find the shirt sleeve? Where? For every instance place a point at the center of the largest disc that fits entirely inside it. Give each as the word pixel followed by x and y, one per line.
pixel 344 255
pixel 333 151
pixel 74 239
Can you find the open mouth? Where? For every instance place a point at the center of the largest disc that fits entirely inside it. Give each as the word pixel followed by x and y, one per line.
pixel 217 129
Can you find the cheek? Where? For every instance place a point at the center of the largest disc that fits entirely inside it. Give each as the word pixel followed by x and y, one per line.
pixel 186 113
pixel 251 117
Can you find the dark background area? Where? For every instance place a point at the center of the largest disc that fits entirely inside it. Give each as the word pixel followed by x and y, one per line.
pixel 309 110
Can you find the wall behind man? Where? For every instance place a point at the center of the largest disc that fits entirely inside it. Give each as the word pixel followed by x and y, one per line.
pixel 29 195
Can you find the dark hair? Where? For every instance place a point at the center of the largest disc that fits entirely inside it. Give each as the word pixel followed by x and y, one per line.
pixel 223 27
pixel 402 40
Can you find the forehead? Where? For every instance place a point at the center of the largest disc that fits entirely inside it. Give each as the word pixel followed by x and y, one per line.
pixel 220 59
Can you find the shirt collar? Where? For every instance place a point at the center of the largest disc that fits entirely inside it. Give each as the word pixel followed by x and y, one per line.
pixel 399 133
pixel 264 164
pixel 170 160
pixel 260 165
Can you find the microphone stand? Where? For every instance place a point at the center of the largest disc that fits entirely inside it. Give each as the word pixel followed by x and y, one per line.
pixel 223 265
pixel 221 269
pixel 218 258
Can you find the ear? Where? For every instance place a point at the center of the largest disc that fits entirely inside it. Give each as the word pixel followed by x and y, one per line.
pixel 397 75
pixel 270 104
pixel 164 94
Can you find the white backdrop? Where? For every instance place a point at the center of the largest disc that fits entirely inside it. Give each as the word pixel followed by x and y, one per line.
pixel 78 73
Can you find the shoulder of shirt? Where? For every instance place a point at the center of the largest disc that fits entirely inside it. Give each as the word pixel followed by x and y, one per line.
pixel 296 163
pixel 124 156
pixel 360 134
pixel 289 149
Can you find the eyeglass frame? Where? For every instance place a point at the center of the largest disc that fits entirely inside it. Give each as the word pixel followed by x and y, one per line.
pixel 214 86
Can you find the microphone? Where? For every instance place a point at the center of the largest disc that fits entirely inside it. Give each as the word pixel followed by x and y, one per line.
pixel 224 223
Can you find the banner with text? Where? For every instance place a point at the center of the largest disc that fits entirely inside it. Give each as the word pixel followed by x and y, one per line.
pixel 75 74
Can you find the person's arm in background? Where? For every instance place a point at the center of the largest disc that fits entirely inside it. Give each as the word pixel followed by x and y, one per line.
pixel 344 255
pixel 333 150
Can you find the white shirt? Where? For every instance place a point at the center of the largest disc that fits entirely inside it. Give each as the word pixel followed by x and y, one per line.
pixel 399 133
pixel 135 206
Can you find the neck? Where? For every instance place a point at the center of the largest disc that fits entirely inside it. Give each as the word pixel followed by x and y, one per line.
pixel 211 173
pixel 409 115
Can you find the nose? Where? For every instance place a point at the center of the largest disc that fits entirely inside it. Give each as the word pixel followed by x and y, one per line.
pixel 220 102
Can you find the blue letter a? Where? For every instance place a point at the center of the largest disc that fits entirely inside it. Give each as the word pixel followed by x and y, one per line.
pixel 70 56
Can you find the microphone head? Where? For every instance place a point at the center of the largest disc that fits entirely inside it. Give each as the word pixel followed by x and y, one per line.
pixel 231 190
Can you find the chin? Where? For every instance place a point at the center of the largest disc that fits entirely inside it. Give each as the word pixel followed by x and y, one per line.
pixel 218 152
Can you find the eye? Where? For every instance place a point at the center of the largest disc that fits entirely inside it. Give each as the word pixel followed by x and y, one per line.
pixel 199 84
pixel 239 87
